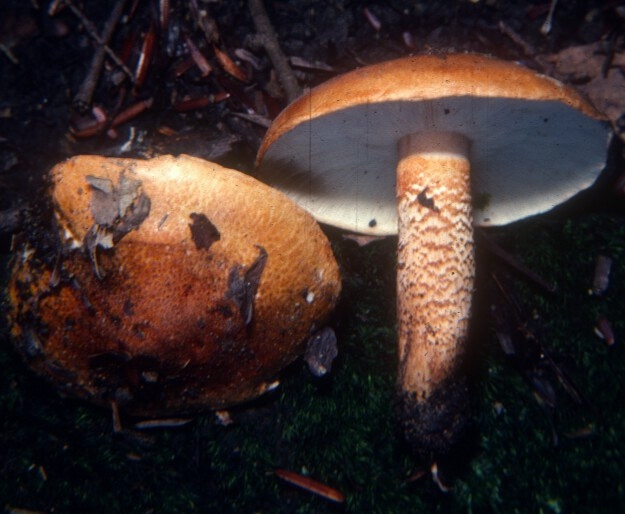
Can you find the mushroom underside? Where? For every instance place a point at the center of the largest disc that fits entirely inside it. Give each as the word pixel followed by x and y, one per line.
pixel 523 167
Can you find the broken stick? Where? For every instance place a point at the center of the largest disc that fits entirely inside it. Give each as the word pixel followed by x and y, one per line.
pixel 267 38
pixel 83 98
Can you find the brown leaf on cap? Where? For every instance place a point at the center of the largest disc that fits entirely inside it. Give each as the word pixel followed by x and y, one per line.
pixel 242 288
pixel 116 210
pixel 103 202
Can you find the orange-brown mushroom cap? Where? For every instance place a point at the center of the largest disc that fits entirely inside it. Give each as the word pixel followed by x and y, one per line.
pixel 179 284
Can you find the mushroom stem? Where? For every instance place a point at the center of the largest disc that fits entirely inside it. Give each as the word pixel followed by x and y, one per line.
pixel 435 275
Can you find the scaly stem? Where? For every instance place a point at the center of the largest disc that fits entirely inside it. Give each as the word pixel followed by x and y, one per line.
pixel 435 275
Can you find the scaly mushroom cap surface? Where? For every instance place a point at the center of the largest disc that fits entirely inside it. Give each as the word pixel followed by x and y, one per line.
pixel 172 284
pixel 534 142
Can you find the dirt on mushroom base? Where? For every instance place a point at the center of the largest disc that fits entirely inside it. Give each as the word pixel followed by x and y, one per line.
pixel 434 427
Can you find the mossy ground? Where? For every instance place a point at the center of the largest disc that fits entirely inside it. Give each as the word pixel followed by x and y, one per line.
pixel 61 455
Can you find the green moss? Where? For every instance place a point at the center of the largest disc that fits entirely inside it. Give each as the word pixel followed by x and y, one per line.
pixel 60 454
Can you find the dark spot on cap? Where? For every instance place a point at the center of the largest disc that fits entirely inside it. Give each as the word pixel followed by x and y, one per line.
pixel 225 310
pixel 137 330
pixel 203 232
pixel 128 308
pixel 373 222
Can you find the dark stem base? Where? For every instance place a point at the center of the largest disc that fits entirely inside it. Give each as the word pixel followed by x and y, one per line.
pixel 434 426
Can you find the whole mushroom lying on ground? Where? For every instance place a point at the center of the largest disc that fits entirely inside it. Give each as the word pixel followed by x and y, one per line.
pixel 425 147
pixel 168 285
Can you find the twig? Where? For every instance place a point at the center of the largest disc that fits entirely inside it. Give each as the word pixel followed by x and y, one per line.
pixel 206 22
pixel 310 485
pixel 511 261
pixel 85 94
pixel 9 54
pixel 90 27
pixel 525 47
pixel 547 24
pixel 258 119
pixel 536 347
pixel 268 39
pixel 609 55
pixel 516 38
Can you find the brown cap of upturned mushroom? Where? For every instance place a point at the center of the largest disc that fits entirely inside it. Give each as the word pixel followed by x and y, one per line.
pixel 169 284
pixel 424 147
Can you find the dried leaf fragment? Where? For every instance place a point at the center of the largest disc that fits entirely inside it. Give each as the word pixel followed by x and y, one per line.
pixel 242 288
pixel 103 204
pixel 321 351
pixel 116 210
pixel 229 65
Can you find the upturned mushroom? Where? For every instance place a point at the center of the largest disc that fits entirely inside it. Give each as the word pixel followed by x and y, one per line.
pixel 168 285
pixel 425 147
